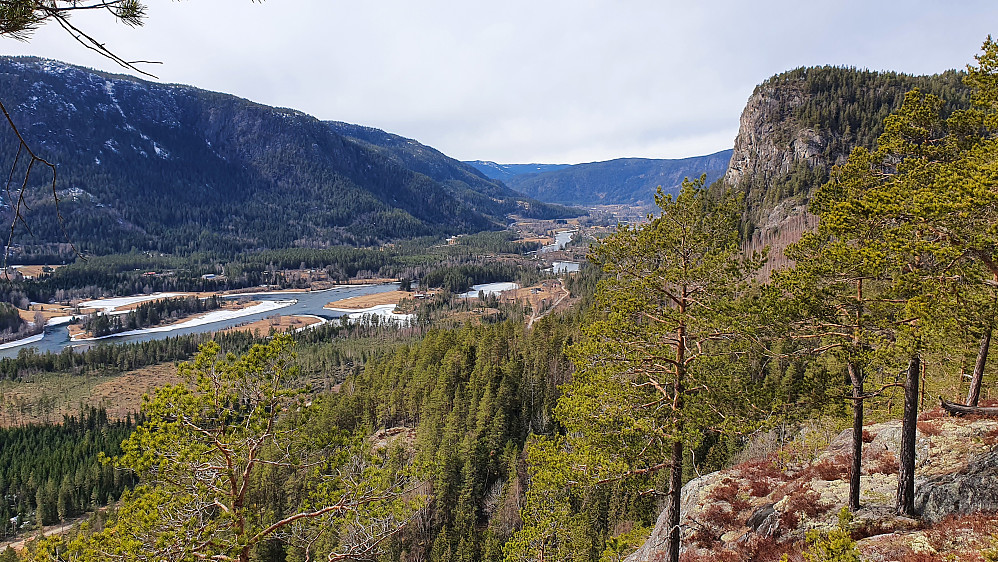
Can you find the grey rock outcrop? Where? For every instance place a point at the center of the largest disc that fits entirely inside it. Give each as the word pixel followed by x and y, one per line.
pixel 654 548
pixel 971 490
pixel 956 470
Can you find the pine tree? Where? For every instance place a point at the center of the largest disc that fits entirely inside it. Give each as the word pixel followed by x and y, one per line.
pixel 654 372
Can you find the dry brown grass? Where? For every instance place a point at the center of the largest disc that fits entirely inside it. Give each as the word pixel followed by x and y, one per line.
pixel 122 395
pixel 34 271
pixel 367 301
pixel 47 311
pixel 931 427
pixel 277 322
pixel 46 398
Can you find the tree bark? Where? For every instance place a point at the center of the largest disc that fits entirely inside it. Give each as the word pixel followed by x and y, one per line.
pixel 856 377
pixel 676 475
pixel 675 498
pixel 961 410
pixel 974 394
pixel 906 477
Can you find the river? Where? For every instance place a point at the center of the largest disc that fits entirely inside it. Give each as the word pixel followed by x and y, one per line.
pixel 561 239
pixel 56 338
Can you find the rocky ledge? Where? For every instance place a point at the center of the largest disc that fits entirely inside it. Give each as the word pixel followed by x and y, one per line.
pixel 762 509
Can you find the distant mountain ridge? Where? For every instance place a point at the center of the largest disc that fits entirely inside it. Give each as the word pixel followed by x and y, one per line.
pixel 174 168
pixel 505 172
pixel 621 181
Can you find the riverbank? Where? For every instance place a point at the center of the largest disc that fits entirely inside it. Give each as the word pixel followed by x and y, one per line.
pixel 209 318
pixel 299 303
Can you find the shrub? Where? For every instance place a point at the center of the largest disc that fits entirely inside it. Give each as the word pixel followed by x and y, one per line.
pixel 703 537
pixel 933 414
pixel 719 517
pixel 884 462
pixel 833 468
pixel 726 491
pixel 803 502
pixel 759 473
pixel 760 488
pixel 991 554
pixel 929 428
pixel 835 545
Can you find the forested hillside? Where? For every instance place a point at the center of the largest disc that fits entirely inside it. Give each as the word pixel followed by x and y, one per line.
pixel 505 172
pixel 176 169
pixel 591 435
pixel 622 181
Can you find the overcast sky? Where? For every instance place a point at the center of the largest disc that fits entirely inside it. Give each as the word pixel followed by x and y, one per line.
pixel 526 81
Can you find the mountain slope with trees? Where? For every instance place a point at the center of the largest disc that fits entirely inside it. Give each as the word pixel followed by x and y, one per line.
pixel 561 442
pixel 620 181
pixel 176 169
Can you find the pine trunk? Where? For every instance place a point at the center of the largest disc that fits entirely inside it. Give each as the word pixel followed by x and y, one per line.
pixel 974 394
pixel 676 476
pixel 856 377
pixel 906 480
pixel 675 498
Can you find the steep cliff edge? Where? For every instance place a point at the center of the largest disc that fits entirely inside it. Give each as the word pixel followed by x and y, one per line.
pixel 796 126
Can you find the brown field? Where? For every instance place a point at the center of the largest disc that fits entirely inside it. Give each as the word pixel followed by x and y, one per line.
pixel 47 397
pixel 278 322
pixel 473 317
pixel 378 281
pixel 47 310
pixel 122 395
pixel 544 293
pixel 543 240
pixel 35 270
pixel 548 290
pixel 367 301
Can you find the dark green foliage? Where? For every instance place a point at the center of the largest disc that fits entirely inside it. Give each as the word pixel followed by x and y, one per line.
pixel 458 279
pixel 53 472
pixel 472 395
pixel 113 358
pixel 175 169
pixel 464 181
pixel 852 104
pixel 10 320
pixel 502 242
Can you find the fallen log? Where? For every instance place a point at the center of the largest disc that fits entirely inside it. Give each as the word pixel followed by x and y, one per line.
pixel 954 409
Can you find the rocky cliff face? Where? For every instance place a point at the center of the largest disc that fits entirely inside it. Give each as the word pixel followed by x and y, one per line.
pixel 770 145
pixel 799 124
pixel 770 142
